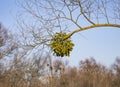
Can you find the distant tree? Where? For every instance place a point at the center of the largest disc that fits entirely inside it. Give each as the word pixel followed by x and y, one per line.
pixel 7 44
pixel 116 68
pixel 88 74
pixel 93 74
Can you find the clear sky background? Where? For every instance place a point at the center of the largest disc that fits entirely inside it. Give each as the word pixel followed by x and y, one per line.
pixel 101 43
pixel 8 9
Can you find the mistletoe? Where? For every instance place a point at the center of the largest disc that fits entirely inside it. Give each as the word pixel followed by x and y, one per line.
pixel 60 45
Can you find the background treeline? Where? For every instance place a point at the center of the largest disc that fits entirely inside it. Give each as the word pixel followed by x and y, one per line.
pixel 89 73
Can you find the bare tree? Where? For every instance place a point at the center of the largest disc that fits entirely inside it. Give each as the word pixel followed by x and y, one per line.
pixel 42 19
pixel 7 43
pixel 94 74
pixel 116 68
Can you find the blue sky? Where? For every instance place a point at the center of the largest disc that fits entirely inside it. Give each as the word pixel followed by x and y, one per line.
pixel 8 9
pixel 101 43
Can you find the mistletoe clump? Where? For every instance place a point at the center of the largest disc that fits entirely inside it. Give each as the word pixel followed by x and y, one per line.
pixel 61 46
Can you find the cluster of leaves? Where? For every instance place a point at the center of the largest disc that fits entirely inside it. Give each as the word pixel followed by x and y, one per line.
pixel 61 46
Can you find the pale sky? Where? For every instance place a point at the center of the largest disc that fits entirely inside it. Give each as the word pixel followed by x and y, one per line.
pixel 101 43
